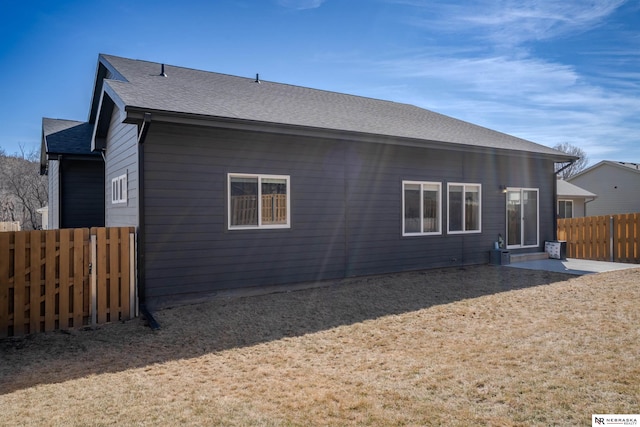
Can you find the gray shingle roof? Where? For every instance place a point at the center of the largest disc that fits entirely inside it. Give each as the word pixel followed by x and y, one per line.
pixel 67 137
pixel 203 93
pixel 566 189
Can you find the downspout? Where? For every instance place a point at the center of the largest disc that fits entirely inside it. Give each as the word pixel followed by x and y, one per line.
pixel 555 198
pixel 585 205
pixel 60 190
pixel 153 324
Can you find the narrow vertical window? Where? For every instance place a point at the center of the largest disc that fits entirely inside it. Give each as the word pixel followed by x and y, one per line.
pixel 464 203
pixel 258 201
pixel 421 208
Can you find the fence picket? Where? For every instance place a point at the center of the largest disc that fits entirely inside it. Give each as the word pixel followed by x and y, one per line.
pixel 51 252
pixel 101 271
pixel 64 279
pixel 34 270
pixel 19 281
pixel 125 281
pixel 635 230
pixel 4 283
pixel 113 275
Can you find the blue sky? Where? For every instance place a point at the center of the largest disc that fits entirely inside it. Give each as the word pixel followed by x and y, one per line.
pixel 547 71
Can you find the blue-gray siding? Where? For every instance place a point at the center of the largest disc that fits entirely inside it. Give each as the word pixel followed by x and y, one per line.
pixel 345 208
pixel 122 158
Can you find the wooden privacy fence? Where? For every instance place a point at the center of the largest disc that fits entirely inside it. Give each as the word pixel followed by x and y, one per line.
pixel 244 209
pixel 602 238
pixel 67 278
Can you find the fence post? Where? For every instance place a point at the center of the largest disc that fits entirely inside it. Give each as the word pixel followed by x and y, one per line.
pixel 94 281
pixel 611 237
pixel 133 282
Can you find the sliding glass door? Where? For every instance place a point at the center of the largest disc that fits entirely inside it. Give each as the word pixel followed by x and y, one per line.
pixel 522 217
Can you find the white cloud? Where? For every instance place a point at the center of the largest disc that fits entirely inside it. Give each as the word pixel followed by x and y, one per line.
pixel 543 101
pixel 301 4
pixel 483 70
pixel 512 22
pixel 491 75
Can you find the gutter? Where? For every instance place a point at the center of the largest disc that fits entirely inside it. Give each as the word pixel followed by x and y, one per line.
pixel 144 130
pixel 136 114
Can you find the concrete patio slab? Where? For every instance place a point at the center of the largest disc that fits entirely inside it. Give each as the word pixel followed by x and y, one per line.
pixel 573 266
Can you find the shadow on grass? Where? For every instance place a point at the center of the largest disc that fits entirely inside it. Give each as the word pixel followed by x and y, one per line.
pixel 224 324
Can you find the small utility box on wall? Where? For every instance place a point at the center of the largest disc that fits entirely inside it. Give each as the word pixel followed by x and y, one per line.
pixel 500 257
pixel 556 249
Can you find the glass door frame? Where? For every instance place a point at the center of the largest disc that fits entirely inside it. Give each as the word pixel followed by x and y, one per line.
pixel 521 191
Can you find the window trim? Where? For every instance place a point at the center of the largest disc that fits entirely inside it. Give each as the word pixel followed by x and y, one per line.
pixel 260 226
pixel 464 191
pixel 119 190
pixel 439 219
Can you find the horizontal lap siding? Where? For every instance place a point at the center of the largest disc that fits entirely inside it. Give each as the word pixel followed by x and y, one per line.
pixel 188 246
pixel 375 176
pixel 122 158
pixel 189 249
pixel 376 244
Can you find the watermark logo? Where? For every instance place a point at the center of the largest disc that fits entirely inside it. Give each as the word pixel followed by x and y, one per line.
pixel 615 420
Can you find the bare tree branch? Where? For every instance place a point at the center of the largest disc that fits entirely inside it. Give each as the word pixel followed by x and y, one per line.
pixel 22 190
pixel 578 165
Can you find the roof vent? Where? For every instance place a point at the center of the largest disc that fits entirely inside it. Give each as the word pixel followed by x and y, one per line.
pixel 257 78
pixel 162 73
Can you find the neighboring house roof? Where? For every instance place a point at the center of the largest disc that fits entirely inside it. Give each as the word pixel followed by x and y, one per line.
pixel 623 166
pixel 65 137
pixel 138 87
pixel 566 189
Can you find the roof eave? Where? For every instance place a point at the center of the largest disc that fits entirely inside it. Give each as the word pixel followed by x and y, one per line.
pixel 108 99
pixel 103 67
pixel 135 115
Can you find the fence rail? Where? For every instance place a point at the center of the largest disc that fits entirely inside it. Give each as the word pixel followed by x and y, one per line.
pixel 67 278
pixel 602 238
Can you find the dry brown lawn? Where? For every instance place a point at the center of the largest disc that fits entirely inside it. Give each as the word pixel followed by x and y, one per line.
pixel 484 345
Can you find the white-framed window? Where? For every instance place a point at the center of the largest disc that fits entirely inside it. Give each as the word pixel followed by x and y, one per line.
pixel 258 201
pixel 565 208
pixel 119 189
pixel 421 208
pixel 464 207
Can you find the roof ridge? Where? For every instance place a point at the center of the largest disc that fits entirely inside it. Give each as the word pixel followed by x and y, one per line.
pixel 106 56
pixel 213 94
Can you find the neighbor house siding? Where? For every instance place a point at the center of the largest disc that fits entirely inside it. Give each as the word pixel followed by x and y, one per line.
pixel 617 187
pixel 122 159
pixel 54 194
pixel 346 209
